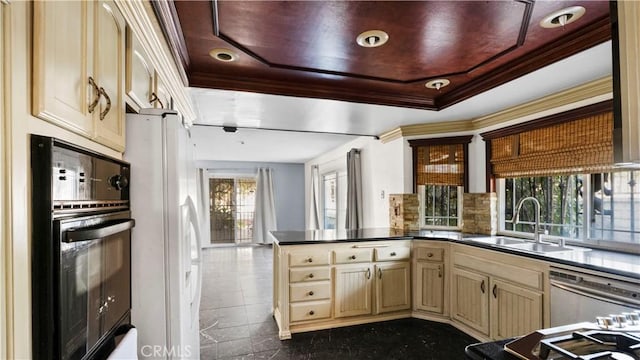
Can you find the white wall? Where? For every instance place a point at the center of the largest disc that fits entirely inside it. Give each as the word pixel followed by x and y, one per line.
pixel 383 169
pixel 288 186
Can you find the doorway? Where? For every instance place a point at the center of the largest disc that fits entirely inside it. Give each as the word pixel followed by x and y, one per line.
pixel 231 209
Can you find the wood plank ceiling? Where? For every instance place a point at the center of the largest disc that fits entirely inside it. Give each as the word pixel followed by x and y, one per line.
pixel 309 49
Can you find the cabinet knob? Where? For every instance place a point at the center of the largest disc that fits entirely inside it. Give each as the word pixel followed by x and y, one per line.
pixel 310 293
pixel 311 312
pixel 429 254
pixel 311 276
pixel 392 254
pixel 309 260
pixel 352 257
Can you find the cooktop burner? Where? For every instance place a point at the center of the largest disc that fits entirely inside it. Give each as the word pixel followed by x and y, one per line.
pixel 588 345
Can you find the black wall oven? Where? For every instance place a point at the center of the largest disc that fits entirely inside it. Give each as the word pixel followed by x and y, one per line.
pixel 81 251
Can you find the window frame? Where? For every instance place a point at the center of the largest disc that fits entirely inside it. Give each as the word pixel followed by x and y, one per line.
pixel 585 240
pixel 421 209
pixel 323 207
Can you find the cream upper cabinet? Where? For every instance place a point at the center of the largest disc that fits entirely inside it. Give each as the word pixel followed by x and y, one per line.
pixel 78 70
pixel 162 98
pixel 140 74
pixel 470 299
pixel 393 287
pixel 110 66
pixel 353 285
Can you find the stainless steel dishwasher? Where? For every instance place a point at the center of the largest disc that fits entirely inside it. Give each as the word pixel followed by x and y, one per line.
pixel 577 296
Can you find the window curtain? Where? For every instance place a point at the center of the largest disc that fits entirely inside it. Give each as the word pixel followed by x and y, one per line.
pixel 440 161
pixel 202 178
pixel 265 208
pixel 354 190
pixel 314 200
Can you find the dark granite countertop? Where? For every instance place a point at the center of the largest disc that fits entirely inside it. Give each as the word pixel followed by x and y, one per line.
pixel 488 351
pixel 599 260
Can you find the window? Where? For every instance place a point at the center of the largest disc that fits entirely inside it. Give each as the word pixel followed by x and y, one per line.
pixel 440 177
pixel 330 200
pixel 601 209
pixel 441 205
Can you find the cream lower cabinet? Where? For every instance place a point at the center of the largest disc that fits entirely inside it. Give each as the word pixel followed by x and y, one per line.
pixel 430 274
pixel 470 299
pixel 353 289
pixel 497 295
pixel 393 287
pixel 79 67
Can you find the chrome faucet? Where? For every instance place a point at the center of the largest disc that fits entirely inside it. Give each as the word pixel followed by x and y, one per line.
pixel 536 227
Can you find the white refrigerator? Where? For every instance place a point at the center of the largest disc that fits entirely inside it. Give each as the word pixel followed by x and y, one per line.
pixel 165 244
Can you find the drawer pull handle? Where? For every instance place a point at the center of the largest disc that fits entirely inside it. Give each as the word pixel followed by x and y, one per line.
pixel 495 291
pixel 311 312
pixel 368 273
pixel 310 293
pixel 379 273
pixel 482 286
pixel 103 114
pixel 392 254
pixel 429 254
pixel 439 271
pixel 352 257
pixel 311 276
pixel 96 97
pixel 308 260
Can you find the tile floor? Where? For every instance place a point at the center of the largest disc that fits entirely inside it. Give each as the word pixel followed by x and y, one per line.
pixel 236 321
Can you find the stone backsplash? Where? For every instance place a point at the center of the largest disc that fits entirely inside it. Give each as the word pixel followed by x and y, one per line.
pixel 480 213
pixel 403 211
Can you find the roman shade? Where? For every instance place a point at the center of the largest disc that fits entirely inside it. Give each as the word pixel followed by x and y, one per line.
pixel 440 161
pixel 578 141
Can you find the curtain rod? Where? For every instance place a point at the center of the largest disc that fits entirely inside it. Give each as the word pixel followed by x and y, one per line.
pixel 233 129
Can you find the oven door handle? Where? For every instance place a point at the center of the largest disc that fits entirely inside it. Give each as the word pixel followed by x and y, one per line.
pixel 98 232
pixel 590 294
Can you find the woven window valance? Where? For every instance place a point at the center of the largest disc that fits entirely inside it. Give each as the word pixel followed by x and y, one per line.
pixel 582 145
pixel 440 161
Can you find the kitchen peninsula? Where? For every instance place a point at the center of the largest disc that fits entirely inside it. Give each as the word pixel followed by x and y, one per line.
pixel 332 278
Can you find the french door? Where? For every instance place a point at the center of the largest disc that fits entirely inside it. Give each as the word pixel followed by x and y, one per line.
pixel 232 209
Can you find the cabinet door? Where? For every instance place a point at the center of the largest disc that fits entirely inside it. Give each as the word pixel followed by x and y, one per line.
pixel 470 299
pixel 140 75
pixel 353 290
pixel 162 96
pixel 429 294
pixel 62 64
pixel 393 287
pixel 514 310
pixel 109 45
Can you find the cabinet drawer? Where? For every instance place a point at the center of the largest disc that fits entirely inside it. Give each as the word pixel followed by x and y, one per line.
pixel 309 274
pixel 310 258
pixel 348 256
pixel 430 254
pixel 310 310
pixel 392 253
pixel 310 291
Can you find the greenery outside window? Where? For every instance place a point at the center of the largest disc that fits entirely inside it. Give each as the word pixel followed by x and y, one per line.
pixel 440 205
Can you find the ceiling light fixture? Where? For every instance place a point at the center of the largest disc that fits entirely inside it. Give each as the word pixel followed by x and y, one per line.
pixel 562 17
pixel 372 38
pixel 437 84
pixel 224 55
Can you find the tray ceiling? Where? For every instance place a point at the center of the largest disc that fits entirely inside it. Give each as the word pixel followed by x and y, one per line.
pixel 309 49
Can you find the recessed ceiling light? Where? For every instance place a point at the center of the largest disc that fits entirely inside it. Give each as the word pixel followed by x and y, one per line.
pixel 225 55
pixel 372 38
pixel 437 83
pixel 562 17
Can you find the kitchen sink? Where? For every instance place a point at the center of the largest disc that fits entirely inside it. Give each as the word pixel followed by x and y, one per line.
pixel 497 240
pixel 544 248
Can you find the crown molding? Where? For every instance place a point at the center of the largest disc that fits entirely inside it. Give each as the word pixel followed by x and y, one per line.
pixel 144 24
pixel 598 88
